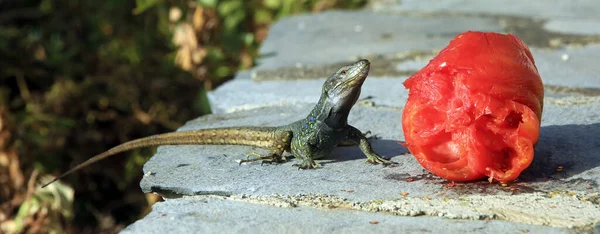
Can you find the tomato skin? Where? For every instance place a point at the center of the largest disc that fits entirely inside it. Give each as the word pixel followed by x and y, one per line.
pixel 474 111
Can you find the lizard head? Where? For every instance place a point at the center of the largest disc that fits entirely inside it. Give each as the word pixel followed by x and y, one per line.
pixel 342 89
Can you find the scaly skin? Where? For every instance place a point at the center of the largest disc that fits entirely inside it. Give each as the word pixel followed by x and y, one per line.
pixel 307 139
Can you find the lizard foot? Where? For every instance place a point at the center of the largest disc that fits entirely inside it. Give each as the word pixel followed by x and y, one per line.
pixel 376 159
pixel 307 164
pixel 265 159
pixel 272 159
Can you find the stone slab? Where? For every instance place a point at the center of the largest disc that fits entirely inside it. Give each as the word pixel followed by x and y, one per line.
pixel 574 66
pixel 574 26
pixel 335 36
pixel 569 138
pixel 547 9
pixel 569 67
pixel 244 94
pixel 217 215
pixel 345 190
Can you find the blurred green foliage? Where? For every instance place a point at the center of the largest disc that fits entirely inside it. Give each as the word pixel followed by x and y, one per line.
pixel 55 201
pixel 79 77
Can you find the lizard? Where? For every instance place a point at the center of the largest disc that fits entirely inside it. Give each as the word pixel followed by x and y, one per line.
pixel 314 137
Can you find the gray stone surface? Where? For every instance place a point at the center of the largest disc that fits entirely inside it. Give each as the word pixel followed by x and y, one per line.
pixel 532 8
pixel 345 194
pixel 218 215
pixel 574 26
pixel 339 36
pixel 570 66
pixel 573 67
pixel 247 94
pixel 569 138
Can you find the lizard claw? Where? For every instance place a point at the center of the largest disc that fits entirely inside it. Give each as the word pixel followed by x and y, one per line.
pixel 370 136
pixel 307 164
pixel 272 159
pixel 379 160
pixel 265 159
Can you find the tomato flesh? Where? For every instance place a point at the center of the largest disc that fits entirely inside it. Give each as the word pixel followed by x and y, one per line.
pixel 474 111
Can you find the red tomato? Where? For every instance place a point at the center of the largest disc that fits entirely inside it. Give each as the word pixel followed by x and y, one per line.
pixel 474 111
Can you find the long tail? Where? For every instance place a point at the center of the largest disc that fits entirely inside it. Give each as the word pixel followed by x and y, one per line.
pixel 263 137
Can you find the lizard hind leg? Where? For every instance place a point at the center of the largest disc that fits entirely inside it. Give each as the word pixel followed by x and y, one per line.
pixel 271 158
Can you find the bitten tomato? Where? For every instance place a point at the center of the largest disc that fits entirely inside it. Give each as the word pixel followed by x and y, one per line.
pixel 474 111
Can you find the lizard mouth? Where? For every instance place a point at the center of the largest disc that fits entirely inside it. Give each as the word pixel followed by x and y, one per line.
pixel 357 79
pixel 347 92
pixel 343 87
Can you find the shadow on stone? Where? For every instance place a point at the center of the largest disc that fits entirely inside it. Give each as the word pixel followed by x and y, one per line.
pixel 385 148
pixel 563 158
pixel 178 192
pixel 564 151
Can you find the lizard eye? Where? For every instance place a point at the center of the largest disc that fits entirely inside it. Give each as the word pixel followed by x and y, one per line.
pixel 343 72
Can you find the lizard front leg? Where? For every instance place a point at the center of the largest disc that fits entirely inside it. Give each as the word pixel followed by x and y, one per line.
pixel 306 148
pixel 364 145
pixel 349 142
pixel 307 155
